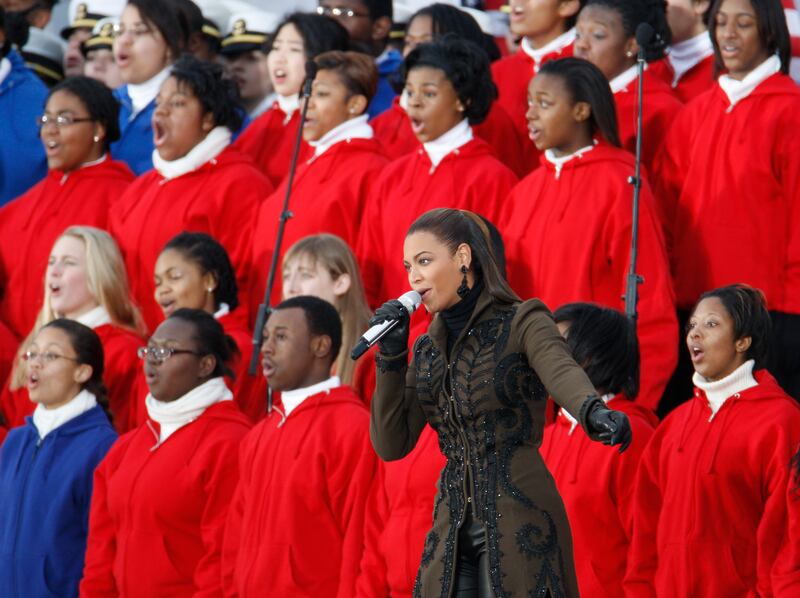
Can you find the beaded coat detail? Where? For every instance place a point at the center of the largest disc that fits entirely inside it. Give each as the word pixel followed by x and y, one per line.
pixel 487 406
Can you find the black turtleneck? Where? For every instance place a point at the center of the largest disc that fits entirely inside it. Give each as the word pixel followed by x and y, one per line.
pixel 456 317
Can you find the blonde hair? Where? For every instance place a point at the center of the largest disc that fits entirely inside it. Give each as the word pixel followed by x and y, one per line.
pixel 108 284
pixel 333 254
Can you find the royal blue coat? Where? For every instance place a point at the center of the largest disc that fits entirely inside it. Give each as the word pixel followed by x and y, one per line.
pixel 22 159
pixel 45 493
pixel 135 145
pixel 384 94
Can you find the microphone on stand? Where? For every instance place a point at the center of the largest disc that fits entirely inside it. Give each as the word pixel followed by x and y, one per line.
pixel 411 301
pixel 644 35
pixel 264 308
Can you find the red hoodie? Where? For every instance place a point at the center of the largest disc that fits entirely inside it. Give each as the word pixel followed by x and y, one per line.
pixel 568 239
pixel 696 80
pixel 597 486
pixel 158 514
pixel 296 524
pixel 220 198
pixel 711 491
pixel 729 192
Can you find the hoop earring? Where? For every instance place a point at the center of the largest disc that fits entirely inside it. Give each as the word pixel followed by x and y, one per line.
pixel 463 289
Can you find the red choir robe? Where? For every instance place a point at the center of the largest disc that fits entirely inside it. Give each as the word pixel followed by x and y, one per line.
pixel 399 518
pixel 568 239
pixel 158 514
pixel 786 573
pixel 469 178
pixel 393 131
pixel 729 190
pixel 220 198
pixel 692 83
pixel 512 75
pixel 245 388
pixel 30 225
pixel 597 485
pixel 269 140
pixel 296 523
pixel 121 369
pixel 661 106
pixel 329 195
pixel 712 496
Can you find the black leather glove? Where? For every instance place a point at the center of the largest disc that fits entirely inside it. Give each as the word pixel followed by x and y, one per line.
pixel 395 341
pixel 608 426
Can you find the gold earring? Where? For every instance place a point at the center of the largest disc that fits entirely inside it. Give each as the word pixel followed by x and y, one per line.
pixel 629 54
pixel 96 138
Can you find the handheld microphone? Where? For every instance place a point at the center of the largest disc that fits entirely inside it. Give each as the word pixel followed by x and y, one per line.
pixel 411 301
pixel 311 73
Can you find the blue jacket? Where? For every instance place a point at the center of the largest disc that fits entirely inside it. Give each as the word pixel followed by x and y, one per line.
pixel 384 95
pixel 135 145
pixel 45 493
pixel 22 159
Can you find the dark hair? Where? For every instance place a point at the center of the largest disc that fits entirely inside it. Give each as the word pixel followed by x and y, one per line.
pixel 98 100
pixel 320 34
pixel 453 227
pixel 378 9
pixel 169 19
pixel 321 317
pixel 796 474
pixel 15 28
pixel 192 16
pixel 357 71
pixel 210 338
pixel 633 12
pixel 772 31
pixel 88 351
pixel 586 83
pixel 210 256
pixel 465 65
pixel 497 245
pixel 603 342
pixel 747 307
pixel 217 93
pixel 446 18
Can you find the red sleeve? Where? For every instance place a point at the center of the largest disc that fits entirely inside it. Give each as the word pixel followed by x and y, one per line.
pixel 122 366
pixel 364 376
pixel 369 248
pixel 372 578
pixel 788 158
pixel 15 405
pixel 786 572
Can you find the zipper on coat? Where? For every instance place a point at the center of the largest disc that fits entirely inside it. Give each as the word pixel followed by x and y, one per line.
pixel 15 581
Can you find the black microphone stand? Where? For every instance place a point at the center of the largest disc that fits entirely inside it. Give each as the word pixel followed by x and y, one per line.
pixel 264 308
pixel 644 33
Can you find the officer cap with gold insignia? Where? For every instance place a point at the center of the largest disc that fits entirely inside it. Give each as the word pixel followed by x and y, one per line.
pixel 84 14
pixel 249 31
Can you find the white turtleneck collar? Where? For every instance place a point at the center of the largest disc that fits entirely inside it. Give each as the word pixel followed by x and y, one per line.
pixel 624 79
pixel 448 142
pixel 172 416
pixel 95 318
pixel 557 45
pixel 354 128
pixel 559 162
pixel 141 94
pixel 209 148
pixel 574 422
pixel 739 90
pixel 288 103
pixel 263 105
pixel 46 420
pixel 292 399
pixel 684 55
pixel 719 391
pixel 5 69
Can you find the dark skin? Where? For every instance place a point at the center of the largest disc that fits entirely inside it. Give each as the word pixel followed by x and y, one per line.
pixel 292 357
pixel 555 120
pixel 372 35
pixel 182 372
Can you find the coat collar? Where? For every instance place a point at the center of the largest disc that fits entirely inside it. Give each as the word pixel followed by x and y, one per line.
pixel 437 331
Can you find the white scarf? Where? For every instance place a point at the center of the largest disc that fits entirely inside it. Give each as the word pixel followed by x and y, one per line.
pixel 448 142
pixel 559 162
pixel 263 105
pixel 209 148
pixel 684 55
pixel 719 391
pixel 95 318
pixel 574 422
pixel 557 45
pixel 624 79
pixel 172 416
pixel 739 90
pixel 141 94
pixel 5 69
pixel 46 420
pixel 354 128
pixel 292 399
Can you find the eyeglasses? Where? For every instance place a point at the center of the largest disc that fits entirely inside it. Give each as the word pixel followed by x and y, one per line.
pixel 161 354
pixel 120 30
pixel 45 357
pixel 339 11
pixel 62 120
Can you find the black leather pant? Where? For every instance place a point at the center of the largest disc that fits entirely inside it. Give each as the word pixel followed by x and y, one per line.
pixel 472 568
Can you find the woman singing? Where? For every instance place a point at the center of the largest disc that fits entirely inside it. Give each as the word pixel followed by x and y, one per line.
pixel 480 377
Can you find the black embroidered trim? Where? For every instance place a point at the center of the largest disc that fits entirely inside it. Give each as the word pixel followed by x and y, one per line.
pixel 390 363
pixel 431 543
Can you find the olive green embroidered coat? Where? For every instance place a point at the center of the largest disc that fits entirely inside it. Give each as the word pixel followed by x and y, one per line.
pixel 490 427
